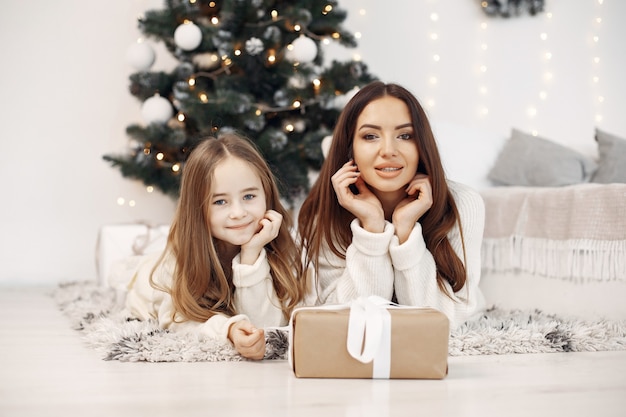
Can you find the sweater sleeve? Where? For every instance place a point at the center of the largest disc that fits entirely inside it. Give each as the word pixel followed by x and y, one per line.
pixel 367 269
pixel 146 302
pixel 415 270
pixel 255 295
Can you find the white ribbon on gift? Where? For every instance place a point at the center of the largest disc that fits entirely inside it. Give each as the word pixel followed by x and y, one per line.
pixel 369 334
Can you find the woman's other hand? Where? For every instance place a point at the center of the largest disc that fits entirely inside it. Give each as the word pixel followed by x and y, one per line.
pixel 418 201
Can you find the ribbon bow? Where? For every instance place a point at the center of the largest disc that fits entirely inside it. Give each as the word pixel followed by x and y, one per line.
pixel 369 333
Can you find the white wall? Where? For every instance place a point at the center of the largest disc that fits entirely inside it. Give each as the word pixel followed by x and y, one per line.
pixel 65 102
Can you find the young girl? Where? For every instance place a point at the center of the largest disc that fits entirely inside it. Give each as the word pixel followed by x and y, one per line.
pixel 383 220
pixel 230 266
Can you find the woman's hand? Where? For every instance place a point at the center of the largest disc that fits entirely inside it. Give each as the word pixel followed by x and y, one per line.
pixel 364 205
pixel 247 339
pixel 418 201
pixel 269 228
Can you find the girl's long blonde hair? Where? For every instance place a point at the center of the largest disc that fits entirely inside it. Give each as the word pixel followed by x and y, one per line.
pixel 322 222
pixel 202 284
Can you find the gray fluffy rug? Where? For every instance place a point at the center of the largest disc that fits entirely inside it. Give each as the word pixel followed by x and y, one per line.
pixel 95 312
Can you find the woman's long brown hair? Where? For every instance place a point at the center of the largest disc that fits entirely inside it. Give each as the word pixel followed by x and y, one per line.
pixel 202 283
pixel 322 222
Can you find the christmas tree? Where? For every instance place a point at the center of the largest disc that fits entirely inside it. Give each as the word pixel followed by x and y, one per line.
pixel 254 66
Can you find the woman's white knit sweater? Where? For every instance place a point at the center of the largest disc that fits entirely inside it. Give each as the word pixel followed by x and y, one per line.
pixel 376 264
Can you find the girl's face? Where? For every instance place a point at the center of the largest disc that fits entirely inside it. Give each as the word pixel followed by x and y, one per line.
pixel 384 146
pixel 237 202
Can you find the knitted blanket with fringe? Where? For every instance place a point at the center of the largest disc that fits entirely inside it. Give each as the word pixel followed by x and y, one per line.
pixel 576 232
pixel 95 312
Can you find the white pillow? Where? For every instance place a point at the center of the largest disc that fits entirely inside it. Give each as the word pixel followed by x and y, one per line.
pixel 467 153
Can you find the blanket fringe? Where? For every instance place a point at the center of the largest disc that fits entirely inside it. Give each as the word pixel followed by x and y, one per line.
pixel 582 260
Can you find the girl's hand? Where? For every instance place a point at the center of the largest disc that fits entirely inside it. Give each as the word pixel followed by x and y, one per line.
pixel 269 228
pixel 418 201
pixel 247 339
pixel 364 205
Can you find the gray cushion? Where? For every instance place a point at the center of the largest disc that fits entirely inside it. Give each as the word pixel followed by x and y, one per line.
pixel 528 160
pixel 612 162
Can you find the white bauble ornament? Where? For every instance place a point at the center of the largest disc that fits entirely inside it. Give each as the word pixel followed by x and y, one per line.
pixel 140 55
pixel 188 36
pixel 303 49
pixel 157 109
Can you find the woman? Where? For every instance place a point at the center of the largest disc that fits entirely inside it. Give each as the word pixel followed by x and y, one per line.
pixel 383 220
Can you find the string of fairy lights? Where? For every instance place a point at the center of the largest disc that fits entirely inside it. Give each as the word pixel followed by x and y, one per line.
pixel 433 78
pixel 595 41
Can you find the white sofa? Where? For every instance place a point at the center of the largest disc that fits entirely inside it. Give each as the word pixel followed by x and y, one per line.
pixel 561 248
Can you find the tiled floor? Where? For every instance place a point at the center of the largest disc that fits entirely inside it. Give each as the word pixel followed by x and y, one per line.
pixel 45 370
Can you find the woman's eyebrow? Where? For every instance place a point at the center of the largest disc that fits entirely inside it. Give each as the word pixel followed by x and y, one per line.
pixel 369 126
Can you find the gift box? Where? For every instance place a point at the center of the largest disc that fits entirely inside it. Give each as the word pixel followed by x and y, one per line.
pixel 118 242
pixel 369 338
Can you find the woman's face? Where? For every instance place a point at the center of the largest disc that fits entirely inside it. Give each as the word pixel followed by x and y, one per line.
pixel 384 146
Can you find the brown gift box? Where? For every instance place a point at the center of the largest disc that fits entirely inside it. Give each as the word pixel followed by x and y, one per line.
pixel 419 344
